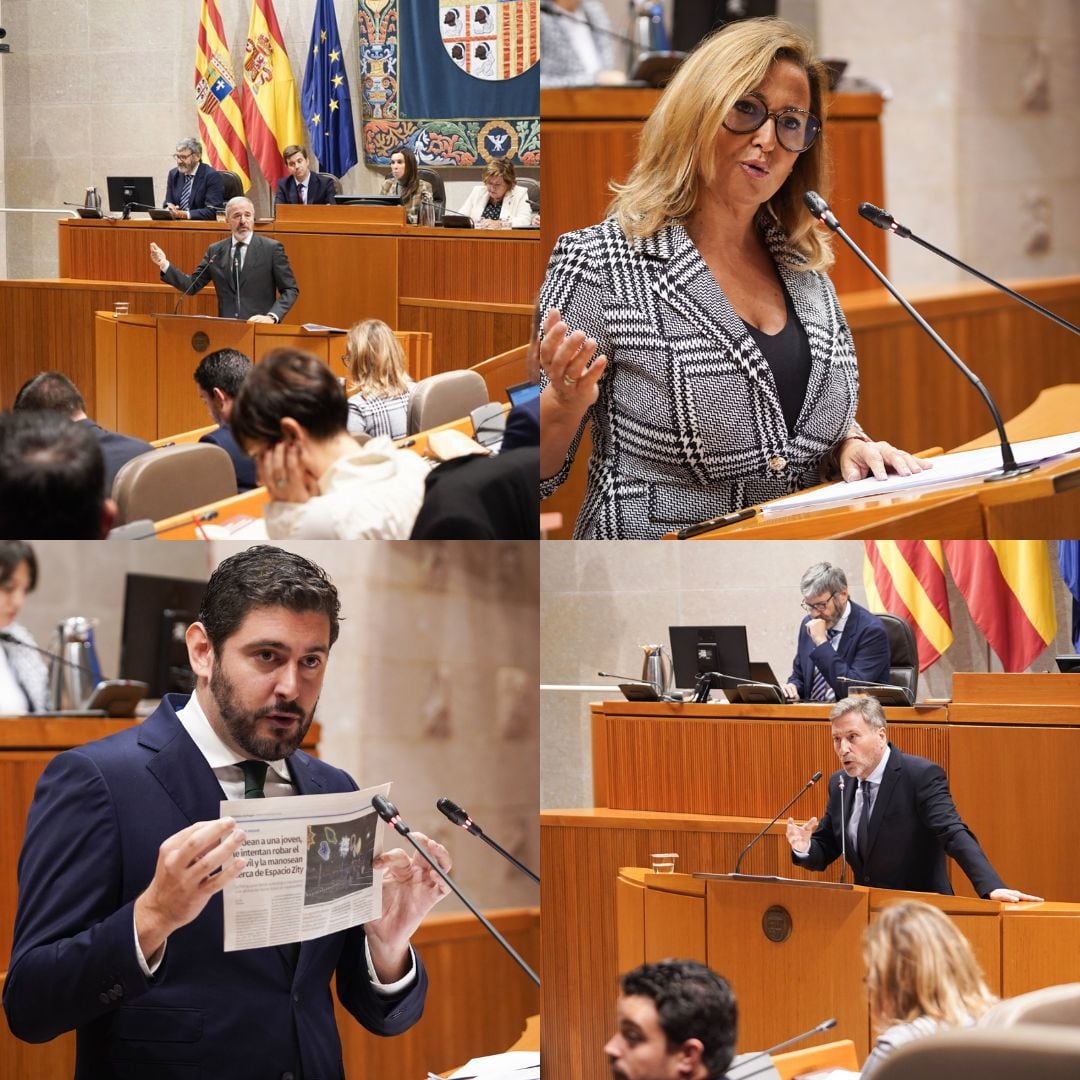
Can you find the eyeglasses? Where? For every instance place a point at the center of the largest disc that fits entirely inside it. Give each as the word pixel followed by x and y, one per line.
pixel 796 129
pixel 820 606
pixel 182 157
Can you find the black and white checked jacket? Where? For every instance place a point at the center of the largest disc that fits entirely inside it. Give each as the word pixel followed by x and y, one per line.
pixel 688 424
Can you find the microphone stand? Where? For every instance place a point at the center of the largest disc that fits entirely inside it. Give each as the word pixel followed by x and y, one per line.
pixel 806 787
pixel 459 817
pixel 1009 467
pixel 825 1025
pixel 11 639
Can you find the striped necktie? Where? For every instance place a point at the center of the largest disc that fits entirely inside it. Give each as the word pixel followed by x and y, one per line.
pixel 254 778
pixel 185 195
pixel 820 690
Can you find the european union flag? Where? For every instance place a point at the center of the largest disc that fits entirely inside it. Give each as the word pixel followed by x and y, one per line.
pixel 325 100
pixel 1069 561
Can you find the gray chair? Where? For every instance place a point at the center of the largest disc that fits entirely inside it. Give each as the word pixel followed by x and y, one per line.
pixel 903 654
pixel 171 480
pixel 440 399
pixel 333 180
pixel 533 188
pixel 1050 1005
pixel 232 184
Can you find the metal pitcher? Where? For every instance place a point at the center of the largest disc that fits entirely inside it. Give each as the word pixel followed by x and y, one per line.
pixel 72 682
pixel 656 670
pixel 93 199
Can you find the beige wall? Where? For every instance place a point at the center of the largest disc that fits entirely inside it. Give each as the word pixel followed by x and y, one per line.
pixel 601 601
pixel 432 683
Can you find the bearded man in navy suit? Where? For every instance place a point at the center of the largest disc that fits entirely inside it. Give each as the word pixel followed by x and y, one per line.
pixel 205 191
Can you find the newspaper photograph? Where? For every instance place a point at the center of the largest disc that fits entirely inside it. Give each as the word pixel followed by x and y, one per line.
pixel 310 867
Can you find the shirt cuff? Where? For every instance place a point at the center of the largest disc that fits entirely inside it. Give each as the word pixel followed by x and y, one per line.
pixel 801 854
pixel 150 970
pixel 394 988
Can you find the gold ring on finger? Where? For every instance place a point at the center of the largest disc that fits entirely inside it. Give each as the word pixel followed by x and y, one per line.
pixel 569 381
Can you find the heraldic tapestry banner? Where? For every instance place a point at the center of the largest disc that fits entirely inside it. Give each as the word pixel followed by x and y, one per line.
pixel 458 83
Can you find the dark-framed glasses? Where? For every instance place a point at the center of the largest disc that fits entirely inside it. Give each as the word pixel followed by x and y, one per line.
pixel 796 129
pixel 821 605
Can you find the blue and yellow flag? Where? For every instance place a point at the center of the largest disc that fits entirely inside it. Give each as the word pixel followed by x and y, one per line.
pixel 325 100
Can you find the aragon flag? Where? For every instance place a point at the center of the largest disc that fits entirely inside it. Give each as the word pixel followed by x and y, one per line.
pixel 221 123
pixel 270 105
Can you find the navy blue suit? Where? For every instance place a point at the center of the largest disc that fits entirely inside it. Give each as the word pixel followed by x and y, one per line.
pixel 522 426
pixel 244 466
pixel 207 191
pixel 117 450
pixel 914 824
pixel 319 189
pixel 99 814
pixel 863 653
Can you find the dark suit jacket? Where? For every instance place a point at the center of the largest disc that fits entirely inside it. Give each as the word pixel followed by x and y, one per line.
pixel 206 192
pixel 99 814
pixel 117 450
pixel 913 826
pixel 863 653
pixel 244 466
pixel 267 285
pixel 522 426
pixel 320 189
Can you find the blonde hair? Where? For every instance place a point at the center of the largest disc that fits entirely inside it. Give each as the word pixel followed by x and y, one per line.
pixel 375 360
pixel 502 167
pixel 919 964
pixel 675 157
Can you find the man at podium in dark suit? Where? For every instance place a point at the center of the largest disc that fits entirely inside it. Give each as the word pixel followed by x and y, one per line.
pixel 193 191
pixel 837 639
pixel 302 185
pixel 898 820
pixel 251 273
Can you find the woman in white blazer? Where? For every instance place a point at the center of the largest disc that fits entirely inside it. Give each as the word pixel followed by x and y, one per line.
pixel 724 371
pixel 499 202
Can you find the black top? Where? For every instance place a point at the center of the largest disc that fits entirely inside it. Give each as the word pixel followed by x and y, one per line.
pixel 788 355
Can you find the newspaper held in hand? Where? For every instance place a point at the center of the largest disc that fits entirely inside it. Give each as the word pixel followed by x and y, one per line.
pixel 309 867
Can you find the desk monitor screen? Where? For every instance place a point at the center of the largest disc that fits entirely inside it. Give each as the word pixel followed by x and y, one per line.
pixel 695 649
pixel 157 612
pixel 1069 663
pixel 523 392
pixel 129 189
pixel 367 200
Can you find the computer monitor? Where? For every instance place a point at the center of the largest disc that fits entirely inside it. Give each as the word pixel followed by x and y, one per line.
pixel 1069 663
pixel 695 649
pixel 129 189
pixel 157 612
pixel 523 392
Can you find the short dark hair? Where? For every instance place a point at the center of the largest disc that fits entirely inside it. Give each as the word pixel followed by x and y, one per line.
pixel 224 370
pixel 291 383
pixel 264 576
pixel 293 148
pixel 50 390
pixel 12 554
pixel 52 478
pixel 692 1002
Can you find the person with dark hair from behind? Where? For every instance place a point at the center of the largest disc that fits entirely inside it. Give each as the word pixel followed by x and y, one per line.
pixel 219 377
pixel 676 1019
pixel 52 479
pixel 49 390
pixel 291 415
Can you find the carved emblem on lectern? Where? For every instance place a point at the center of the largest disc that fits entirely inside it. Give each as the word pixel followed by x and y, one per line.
pixel 776 923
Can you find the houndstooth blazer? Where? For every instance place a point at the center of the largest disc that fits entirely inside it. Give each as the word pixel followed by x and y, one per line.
pixel 688 424
pixel 28 668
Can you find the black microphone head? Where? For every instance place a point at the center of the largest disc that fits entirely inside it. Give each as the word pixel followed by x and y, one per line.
pixel 452 811
pixel 816 777
pixel 827 1025
pixel 5 636
pixel 815 204
pixel 384 807
pixel 875 215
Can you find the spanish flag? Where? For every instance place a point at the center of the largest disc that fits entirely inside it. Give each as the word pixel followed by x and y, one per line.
pixel 1009 592
pixel 907 578
pixel 221 124
pixel 271 106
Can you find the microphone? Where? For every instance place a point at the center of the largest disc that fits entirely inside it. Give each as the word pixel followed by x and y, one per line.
pixel 460 817
pixel 389 813
pixel 825 1025
pixel 11 639
pixel 843 831
pixel 884 220
pixel 820 209
pixel 806 787
pixel 879 686
pixel 144 528
pixel 703 684
pixel 623 678
pixel 191 285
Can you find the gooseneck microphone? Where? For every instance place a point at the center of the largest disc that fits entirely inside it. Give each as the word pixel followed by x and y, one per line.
pixel 191 284
pixel 879 686
pixel 458 816
pixel 703 684
pixel 389 813
pixel 884 220
pixel 825 1025
pixel 11 639
pixel 820 209
pixel 806 787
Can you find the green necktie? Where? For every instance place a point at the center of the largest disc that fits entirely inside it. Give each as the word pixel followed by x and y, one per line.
pixel 254 777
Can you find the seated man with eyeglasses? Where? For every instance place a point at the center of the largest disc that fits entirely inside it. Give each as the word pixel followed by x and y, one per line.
pixel 838 639
pixel 194 191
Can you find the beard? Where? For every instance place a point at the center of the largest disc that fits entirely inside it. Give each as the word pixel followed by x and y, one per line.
pixel 241 725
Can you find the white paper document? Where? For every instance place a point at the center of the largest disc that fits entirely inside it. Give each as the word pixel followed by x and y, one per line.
pixel 513 1065
pixel 947 467
pixel 309 867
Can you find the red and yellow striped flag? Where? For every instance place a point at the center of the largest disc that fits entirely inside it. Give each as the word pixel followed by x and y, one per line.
pixel 1009 592
pixel 907 578
pixel 271 106
pixel 221 123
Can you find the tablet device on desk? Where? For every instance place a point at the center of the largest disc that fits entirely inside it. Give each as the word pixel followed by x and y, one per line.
pixel 453 220
pixel 887 695
pixel 522 392
pixel 160 214
pixel 753 694
pixel 117 697
pixel 633 691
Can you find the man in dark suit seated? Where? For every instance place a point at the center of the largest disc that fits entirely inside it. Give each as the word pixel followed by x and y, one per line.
pixel 219 377
pixel 251 273
pixel 51 479
pixel 898 820
pixel 193 190
pixel 838 640
pixel 303 186
pixel 56 393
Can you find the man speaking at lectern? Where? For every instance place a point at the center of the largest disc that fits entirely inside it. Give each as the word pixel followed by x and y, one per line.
pixel 898 820
pixel 251 273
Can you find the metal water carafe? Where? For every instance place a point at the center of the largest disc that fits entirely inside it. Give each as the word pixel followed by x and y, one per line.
pixel 656 670
pixel 71 683
pixel 93 199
